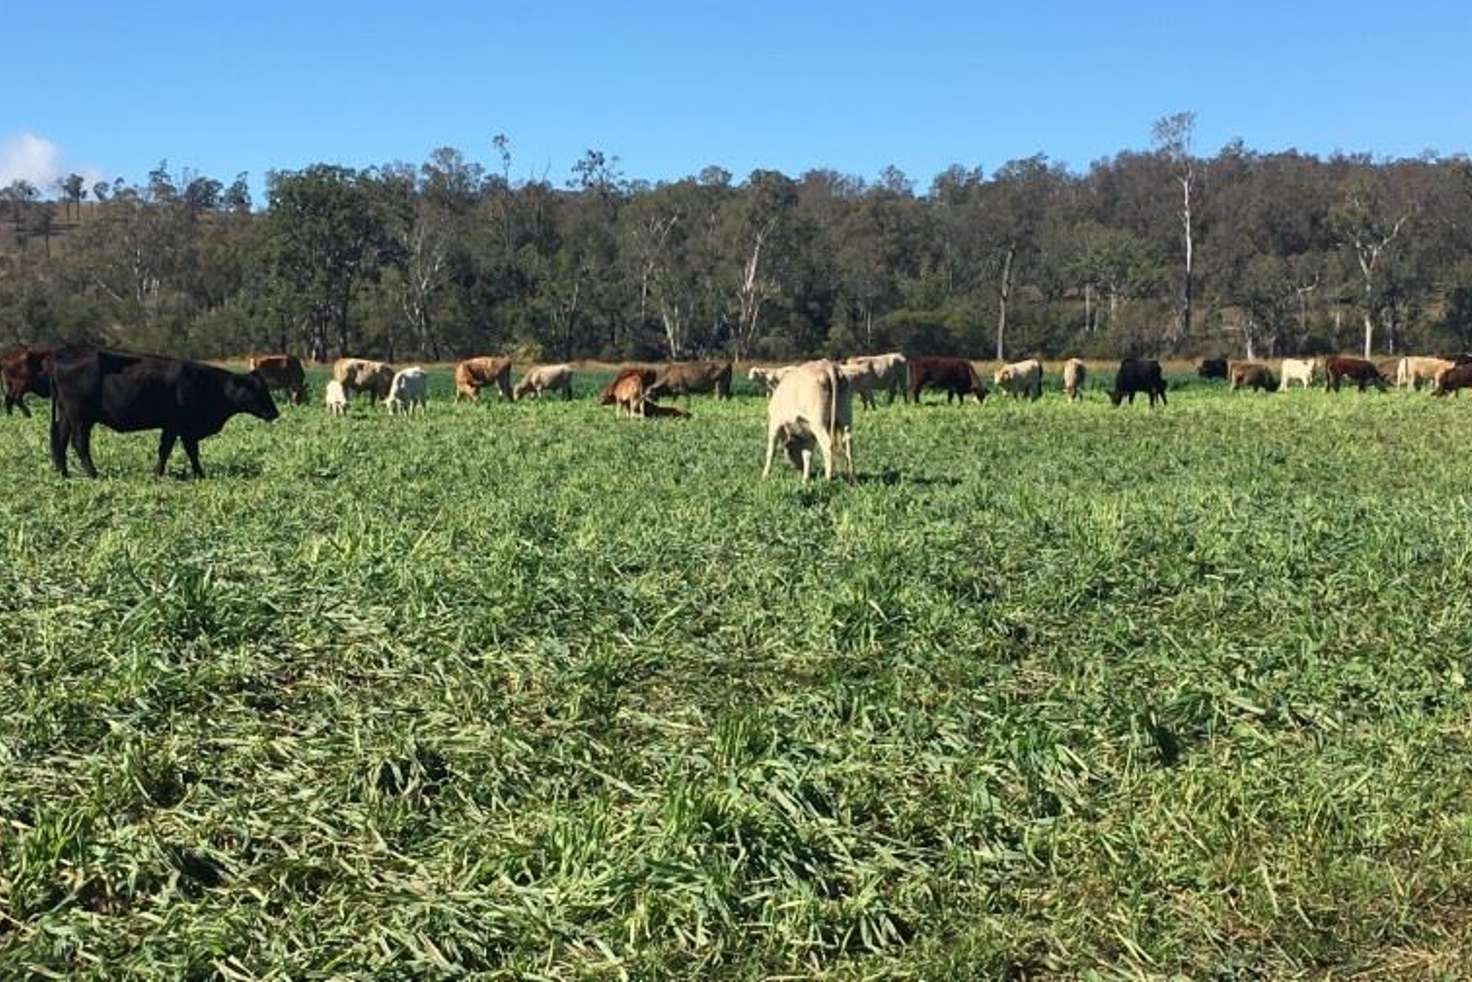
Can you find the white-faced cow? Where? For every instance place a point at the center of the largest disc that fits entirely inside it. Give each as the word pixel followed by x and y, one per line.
pixel 336 398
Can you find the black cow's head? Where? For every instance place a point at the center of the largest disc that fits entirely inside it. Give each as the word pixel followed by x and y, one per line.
pixel 249 393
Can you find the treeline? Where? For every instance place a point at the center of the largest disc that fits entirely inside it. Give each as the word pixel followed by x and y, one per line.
pixel 1151 252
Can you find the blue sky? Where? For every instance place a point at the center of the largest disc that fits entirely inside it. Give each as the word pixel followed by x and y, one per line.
pixel 109 88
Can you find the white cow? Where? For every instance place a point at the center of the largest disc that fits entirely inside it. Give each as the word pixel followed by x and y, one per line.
pixel 1300 370
pixel 1074 376
pixel 337 399
pixel 545 378
pixel 408 392
pixel 890 372
pixel 766 379
pixel 813 404
pixel 1021 378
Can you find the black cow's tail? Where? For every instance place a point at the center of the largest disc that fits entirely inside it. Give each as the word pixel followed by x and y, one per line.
pixel 58 439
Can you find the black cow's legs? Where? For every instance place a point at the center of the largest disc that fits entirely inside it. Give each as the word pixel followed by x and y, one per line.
pixel 60 435
pixel 191 447
pixel 82 443
pixel 165 447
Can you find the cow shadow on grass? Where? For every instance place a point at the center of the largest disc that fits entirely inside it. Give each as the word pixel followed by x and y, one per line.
pixel 889 477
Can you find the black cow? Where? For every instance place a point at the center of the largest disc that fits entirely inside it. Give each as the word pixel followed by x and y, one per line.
pixel 1138 375
pixel 1212 368
pixel 187 400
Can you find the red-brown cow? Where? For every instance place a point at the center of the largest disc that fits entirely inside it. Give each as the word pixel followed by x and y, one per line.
pixel 1450 380
pixel 281 372
pixel 956 376
pixel 24 372
pixel 1354 369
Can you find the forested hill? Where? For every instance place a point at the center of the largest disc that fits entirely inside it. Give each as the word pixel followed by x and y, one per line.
pixel 1165 251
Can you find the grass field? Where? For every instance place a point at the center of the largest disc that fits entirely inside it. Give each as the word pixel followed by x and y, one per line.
pixel 525 689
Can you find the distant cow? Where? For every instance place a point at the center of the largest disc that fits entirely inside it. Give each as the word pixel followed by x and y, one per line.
pixel 336 399
pixel 361 375
pixel 956 376
pixel 24 373
pixel 1451 380
pixel 681 378
pixel 187 400
pixel 545 378
pixel 409 391
pixel 813 404
pixel 1212 368
pixel 474 374
pixel 1411 372
pixel 766 379
pixel 1253 375
pixel 628 390
pixel 281 372
pixel 1138 375
pixel 889 372
pixel 1021 379
pixel 1356 370
pixel 862 379
pixel 1075 374
pixel 1300 370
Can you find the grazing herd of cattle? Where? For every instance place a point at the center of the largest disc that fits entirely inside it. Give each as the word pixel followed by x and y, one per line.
pixel 809 405
pixel 1445 375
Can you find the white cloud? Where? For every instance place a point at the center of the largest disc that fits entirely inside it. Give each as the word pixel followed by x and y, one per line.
pixel 27 156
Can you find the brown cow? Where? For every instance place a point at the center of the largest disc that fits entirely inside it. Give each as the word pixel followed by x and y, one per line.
pixel 621 386
pixel 24 371
pixel 685 377
pixel 474 374
pixel 362 375
pixel 1253 375
pixel 1450 380
pixel 956 376
pixel 1354 369
pixel 281 372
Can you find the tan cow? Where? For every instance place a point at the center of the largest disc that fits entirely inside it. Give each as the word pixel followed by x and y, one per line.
pixel 863 380
pixel 474 374
pixel 1300 370
pixel 545 378
pixel 362 375
pixel 1411 372
pixel 766 379
pixel 1021 379
pixel 890 372
pixel 281 372
pixel 813 404
pixel 684 377
pixel 1074 375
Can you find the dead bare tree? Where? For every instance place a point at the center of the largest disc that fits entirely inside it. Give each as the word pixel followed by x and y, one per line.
pixel 1173 135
